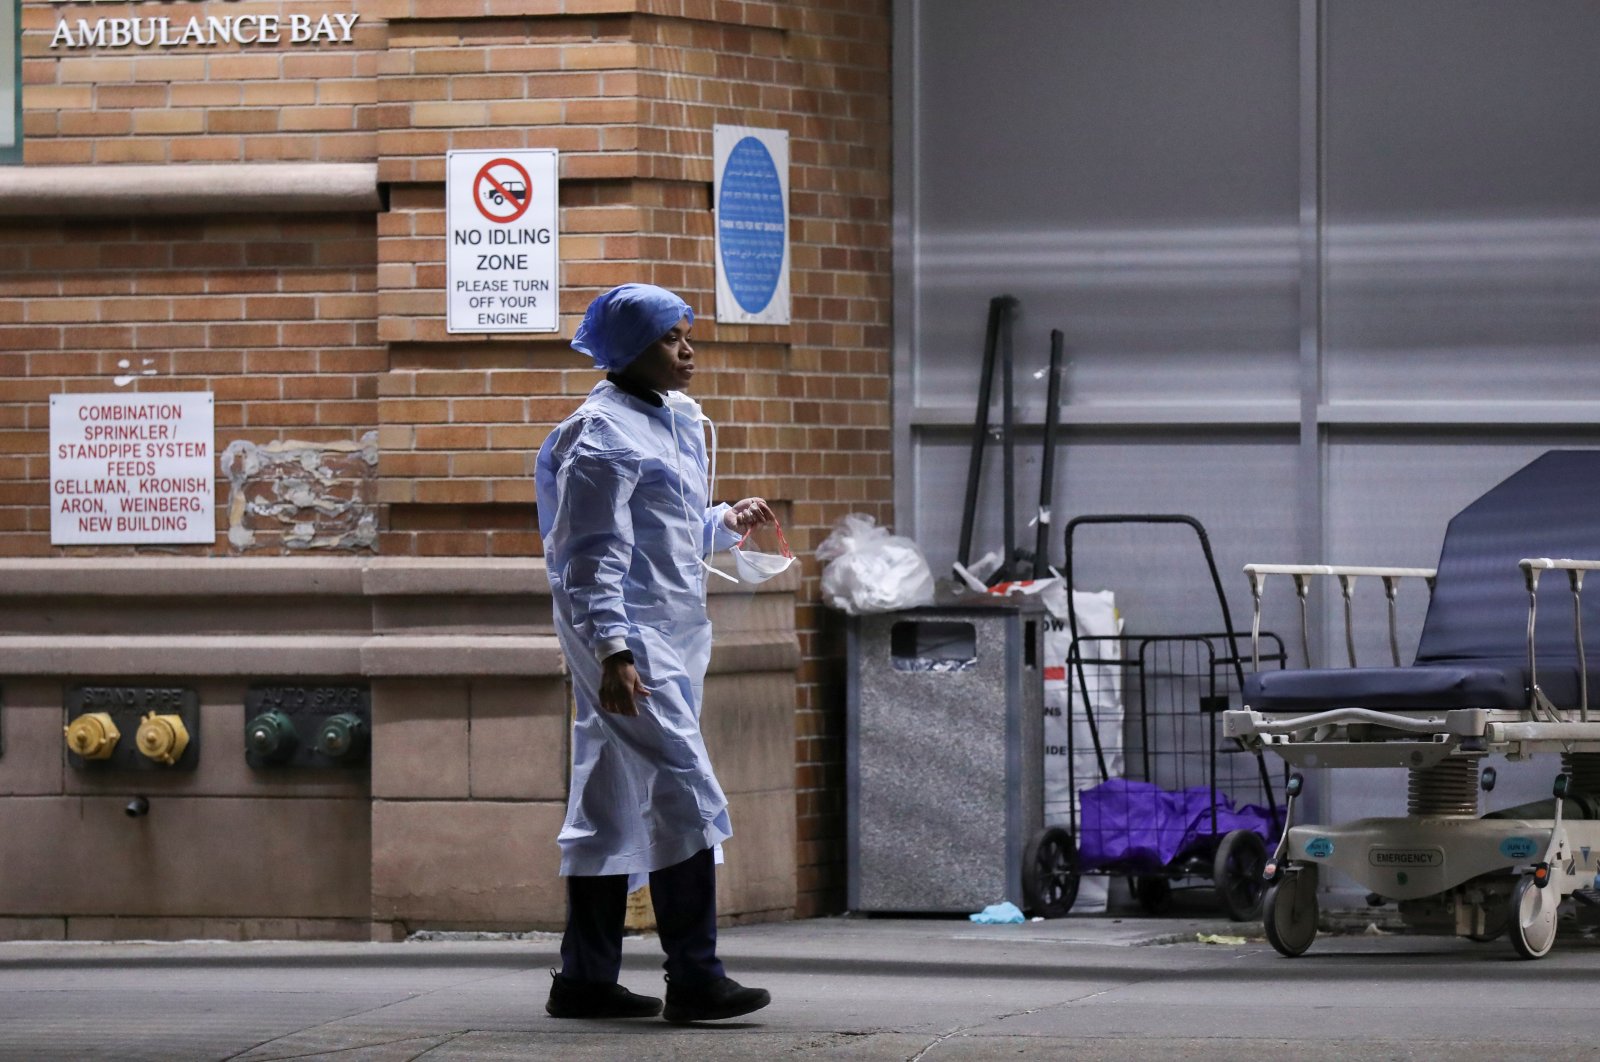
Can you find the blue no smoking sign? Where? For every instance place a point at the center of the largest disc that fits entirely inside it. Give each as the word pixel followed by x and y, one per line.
pixel 752 226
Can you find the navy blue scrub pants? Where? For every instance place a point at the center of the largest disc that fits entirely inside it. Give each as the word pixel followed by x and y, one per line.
pixel 685 900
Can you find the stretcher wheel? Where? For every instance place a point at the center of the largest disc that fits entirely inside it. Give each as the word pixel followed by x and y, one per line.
pixel 1533 919
pixel 1050 873
pixel 1289 914
pixel 1154 894
pixel 1241 857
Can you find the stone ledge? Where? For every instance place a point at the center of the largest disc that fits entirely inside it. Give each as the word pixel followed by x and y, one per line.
pixel 397 656
pixel 147 577
pixel 143 654
pixel 422 576
pixel 388 656
pixel 741 651
pixel 328 655
pixel 191 189
pixel 400 655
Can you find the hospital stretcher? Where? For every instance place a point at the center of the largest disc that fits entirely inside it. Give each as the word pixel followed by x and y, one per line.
pixel 1489 678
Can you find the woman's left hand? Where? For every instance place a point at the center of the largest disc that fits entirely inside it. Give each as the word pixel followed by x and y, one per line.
pixel 748 514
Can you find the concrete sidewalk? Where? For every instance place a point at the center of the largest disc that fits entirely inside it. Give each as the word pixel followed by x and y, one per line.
pixel 864 988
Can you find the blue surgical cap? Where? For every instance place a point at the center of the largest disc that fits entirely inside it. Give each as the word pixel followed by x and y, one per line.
pixel 621 324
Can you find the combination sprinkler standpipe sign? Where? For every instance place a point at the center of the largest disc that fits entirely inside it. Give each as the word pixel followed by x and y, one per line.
pixel 132 468
pixel 502 262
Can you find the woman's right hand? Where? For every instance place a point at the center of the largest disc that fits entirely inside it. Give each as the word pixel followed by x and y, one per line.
pixel 747 514
pixel 620 687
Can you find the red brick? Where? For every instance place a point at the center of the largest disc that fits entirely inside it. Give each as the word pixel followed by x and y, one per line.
pixel 415 411
pixel 452 437
pixel 444 491
pixel 318 386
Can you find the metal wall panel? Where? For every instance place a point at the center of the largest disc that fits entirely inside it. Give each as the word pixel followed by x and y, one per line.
pixel 1462 176
pixel 1127 170
pixel 1328 270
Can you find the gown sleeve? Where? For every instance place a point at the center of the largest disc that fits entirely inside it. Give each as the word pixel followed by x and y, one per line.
pixel 715 535
pixel 596 480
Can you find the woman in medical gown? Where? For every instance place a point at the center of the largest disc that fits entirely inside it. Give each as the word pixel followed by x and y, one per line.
pixel 628 529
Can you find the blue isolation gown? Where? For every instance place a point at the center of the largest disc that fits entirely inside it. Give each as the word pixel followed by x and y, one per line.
pixel 623 491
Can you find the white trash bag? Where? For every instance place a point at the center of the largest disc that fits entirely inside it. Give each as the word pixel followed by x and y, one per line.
pixel 871 570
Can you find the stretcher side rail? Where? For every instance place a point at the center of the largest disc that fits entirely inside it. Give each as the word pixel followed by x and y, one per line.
pixel 1532 568
pixel 1329 738
pixel 1465 722
pixel 1542 722
pixel 1347 574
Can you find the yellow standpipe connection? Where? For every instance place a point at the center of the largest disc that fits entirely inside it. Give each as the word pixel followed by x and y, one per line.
pixel 162 738
pixel 93 735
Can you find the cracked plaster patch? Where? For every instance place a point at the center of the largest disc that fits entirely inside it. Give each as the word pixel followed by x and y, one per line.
pixel 314 495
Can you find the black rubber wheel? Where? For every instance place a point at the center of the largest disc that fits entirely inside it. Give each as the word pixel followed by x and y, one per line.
pixel 1154 894
pixel 1531 921
pixel 1236 873
pixel 1050 873
pixel 1501 921
pixel 1289 915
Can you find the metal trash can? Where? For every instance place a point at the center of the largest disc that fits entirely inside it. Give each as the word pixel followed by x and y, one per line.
pixel 944 754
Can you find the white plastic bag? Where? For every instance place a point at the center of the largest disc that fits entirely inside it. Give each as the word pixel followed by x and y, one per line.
pixel 1099 623
pixel 870 570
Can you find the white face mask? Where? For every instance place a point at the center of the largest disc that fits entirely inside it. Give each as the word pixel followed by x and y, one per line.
pixel 756 567
pixel 759 567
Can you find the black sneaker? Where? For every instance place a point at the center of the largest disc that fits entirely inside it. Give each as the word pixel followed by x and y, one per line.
pixel 723 998
pixel 575 999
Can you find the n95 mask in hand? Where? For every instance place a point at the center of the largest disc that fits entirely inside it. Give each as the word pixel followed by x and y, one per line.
pixel 757 567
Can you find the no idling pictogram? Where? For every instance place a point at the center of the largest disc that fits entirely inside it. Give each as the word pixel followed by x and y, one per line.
pixel 501 191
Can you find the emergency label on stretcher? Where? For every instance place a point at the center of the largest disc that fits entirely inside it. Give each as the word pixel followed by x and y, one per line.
pixel 1406 857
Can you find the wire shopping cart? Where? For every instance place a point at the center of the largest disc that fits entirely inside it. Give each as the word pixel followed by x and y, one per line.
pixel 1160 795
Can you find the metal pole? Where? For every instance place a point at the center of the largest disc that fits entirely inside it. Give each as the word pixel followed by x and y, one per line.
pixel 980 424
pixel 1047 469
pixel 1009 450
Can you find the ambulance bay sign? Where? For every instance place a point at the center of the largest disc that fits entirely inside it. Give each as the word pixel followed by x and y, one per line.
pixel 209 26
pixel 132 468
pixel 502 263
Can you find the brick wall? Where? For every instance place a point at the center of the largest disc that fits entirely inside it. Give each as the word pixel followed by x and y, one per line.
pixel 273 315
pixel 323 330
pixel 220 103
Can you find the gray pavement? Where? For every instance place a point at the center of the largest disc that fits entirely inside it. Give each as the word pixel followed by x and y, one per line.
pixel 927 990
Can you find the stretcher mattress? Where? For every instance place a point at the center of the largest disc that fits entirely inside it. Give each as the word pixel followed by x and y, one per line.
pixel 1473 652
pixel 1393 688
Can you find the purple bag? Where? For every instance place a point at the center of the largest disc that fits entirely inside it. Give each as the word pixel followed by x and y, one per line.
pixel 1138 826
